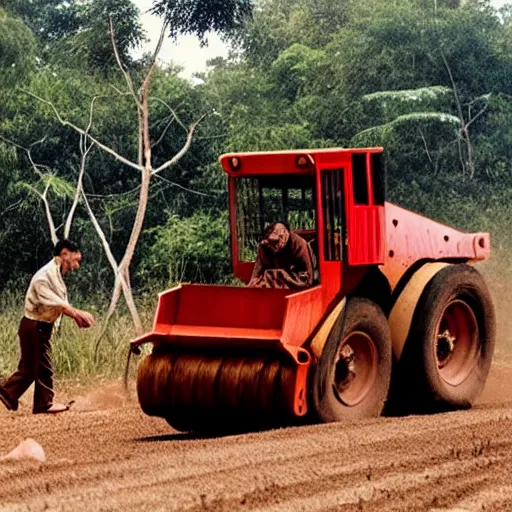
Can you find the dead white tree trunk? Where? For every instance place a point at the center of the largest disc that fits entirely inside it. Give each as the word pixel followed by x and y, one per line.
pixel 84 150
pixel 143 165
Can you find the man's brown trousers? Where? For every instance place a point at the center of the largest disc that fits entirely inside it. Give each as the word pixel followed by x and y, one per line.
pixel 35 365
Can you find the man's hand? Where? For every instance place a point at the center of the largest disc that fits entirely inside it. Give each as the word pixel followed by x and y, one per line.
pixel 82 318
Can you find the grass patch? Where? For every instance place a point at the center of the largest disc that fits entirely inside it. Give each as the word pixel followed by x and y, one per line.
pixel 73 348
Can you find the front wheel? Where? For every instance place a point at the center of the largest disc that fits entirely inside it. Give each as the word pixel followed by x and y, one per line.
pixel 351 379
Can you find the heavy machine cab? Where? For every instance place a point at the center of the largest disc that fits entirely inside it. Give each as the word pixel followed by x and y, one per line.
pixel 333 198
pixel 389 284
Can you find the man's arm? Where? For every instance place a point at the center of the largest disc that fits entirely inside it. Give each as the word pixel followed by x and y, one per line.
pixel 81 317
pixel 48 297
pixel 309 264
pixel 303 259
pixel 258 269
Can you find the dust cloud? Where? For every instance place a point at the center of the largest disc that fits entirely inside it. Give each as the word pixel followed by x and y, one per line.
pixel 102 398
pixel 497 273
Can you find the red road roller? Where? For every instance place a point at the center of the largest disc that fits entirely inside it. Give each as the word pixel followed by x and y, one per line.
pixel 396 315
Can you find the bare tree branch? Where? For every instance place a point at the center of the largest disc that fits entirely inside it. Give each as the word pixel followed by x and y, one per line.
pixel 100 232
pixel 49 217
pixel 158 122
pixel 114 196
pixel 126 75
pixel 114 300
pixel 213 137
pixel 64 122
pixel 131 88
pixel 128 297
pixel 464 126
pixel 173 184
pixel 35 166
pixel 12 143
pixel 161 138
pixel 118 91
pixel 84 151
pixel 12 206
pixel 425 145
pixel 37 142
pixel 155 55
pixel 172 111
pixel 120 281
pixel 42 196
pixel 177 157
pixel 144 138
pixel 16 145
pixel 140 139
pixel 472 120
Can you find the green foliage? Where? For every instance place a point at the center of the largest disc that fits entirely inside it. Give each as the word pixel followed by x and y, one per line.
pixel 408 75
pixel 279 24
pixel 494 142
pixel 188 249
pixel 50 182
pixel 399 45
pixel 382 134
pixel 294 68
pixel 388 105
pixel 76 33
pixel 198 17
pixel 91 45
pixel 50 20
pixel 17 50
pixel 192 249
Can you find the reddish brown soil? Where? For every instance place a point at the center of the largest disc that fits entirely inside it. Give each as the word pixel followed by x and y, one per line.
pixel 107 455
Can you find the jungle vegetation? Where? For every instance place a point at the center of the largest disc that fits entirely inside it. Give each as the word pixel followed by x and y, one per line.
pixel 430 80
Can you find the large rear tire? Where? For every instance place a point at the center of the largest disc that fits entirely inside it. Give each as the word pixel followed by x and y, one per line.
pixel 351 379
pixel 448 352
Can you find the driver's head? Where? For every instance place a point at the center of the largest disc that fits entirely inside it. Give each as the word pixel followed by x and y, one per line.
pixel 276 236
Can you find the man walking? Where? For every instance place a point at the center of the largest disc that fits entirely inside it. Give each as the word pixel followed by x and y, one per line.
pixel 45 301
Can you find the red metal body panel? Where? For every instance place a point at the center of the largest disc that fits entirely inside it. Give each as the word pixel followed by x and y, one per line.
pixel 221 306
pixel 242 270
pixel 330 271
pixel 365 223
pixel 235 316
pixel 303 312
pixel 365 232
pixel 412 238
pixel 277 162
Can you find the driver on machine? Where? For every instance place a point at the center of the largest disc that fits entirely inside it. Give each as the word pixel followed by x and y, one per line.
pixel 283 260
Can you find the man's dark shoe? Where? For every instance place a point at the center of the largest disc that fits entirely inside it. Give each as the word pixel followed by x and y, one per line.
pixel 5 400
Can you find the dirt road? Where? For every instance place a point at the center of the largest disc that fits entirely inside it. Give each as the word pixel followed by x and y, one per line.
pixel 107 455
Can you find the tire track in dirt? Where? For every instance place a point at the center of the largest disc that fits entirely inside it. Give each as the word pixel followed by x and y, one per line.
pixel 122 460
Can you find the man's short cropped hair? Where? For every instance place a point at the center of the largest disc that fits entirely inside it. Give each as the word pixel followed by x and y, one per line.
pixel 65 244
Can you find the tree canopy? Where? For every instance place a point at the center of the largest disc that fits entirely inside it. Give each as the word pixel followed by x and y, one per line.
pixel 198 17
pixel 427 80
